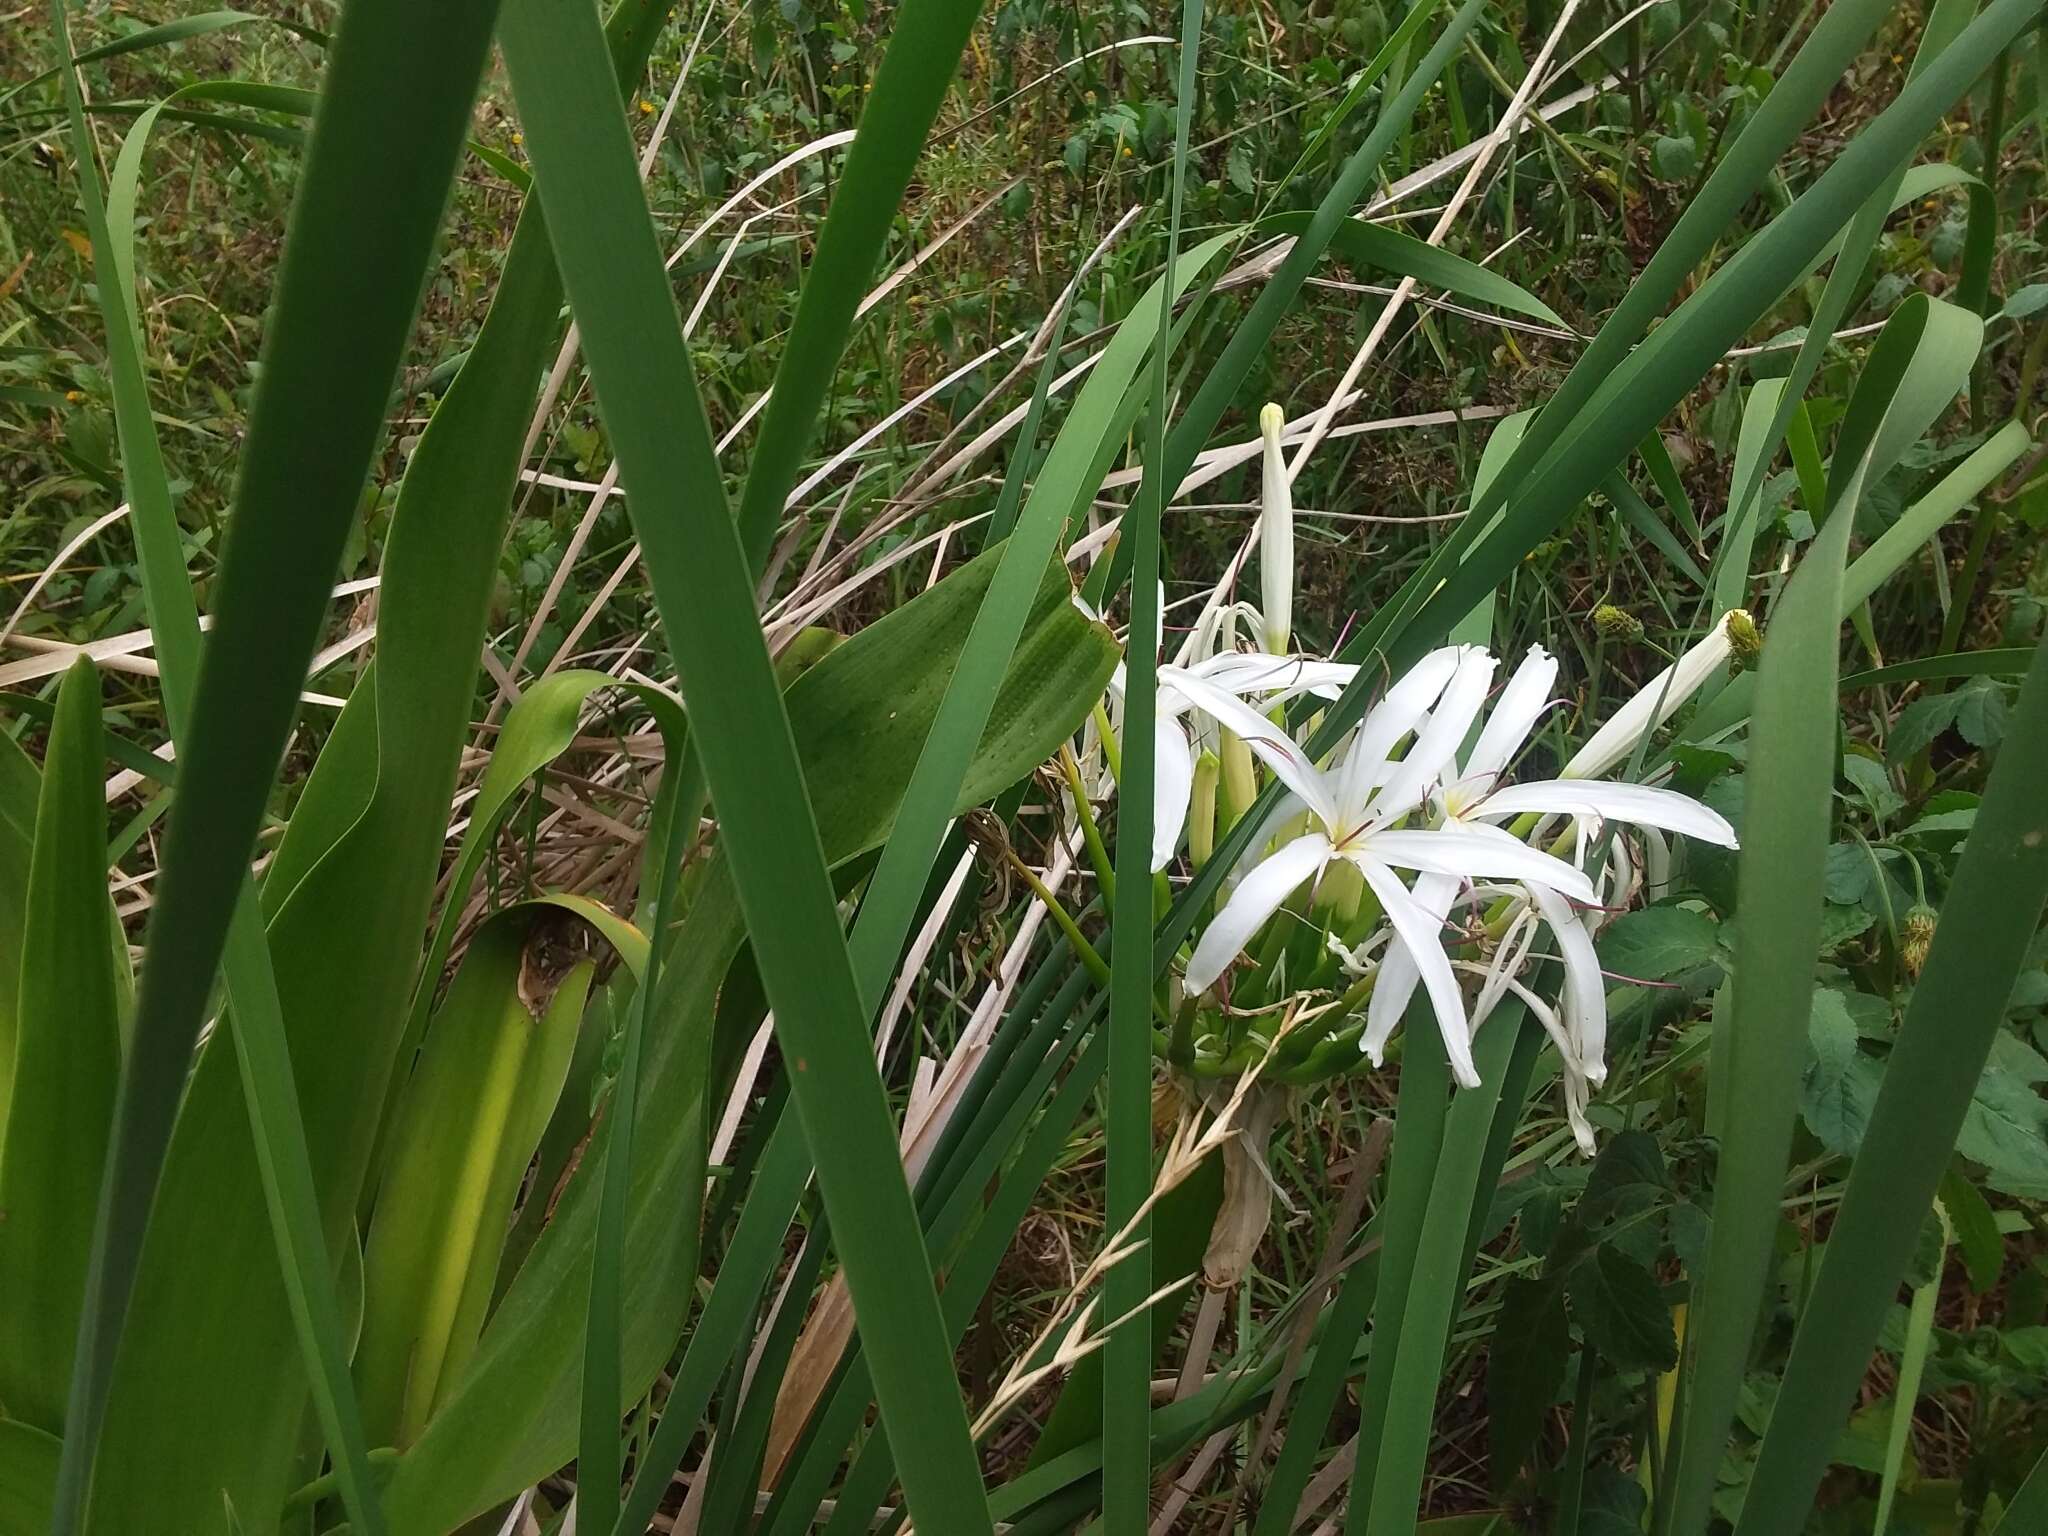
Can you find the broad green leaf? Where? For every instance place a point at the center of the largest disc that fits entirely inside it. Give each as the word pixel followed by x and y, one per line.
pixel 67 1059
pixel 466 1130
pixel 1658 943
pixel 2006 1128
pixel 28 1479
pixel 511 1419
pixel 1621 1310
pixel 1840 1085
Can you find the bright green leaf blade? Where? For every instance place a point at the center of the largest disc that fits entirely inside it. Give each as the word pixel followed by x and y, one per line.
pixel 1988 920
pixel 66 1063
pixel 346 301
pixel 1383 248
pixel 611 265
pixel 1915 369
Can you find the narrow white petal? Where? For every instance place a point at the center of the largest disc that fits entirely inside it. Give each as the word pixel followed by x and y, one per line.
pixel 1477 852
pixel 1422 936
pixel 1173 785
pixel 1398 973
pixel 1274 746
pixel 1585 989
pixel 1277 677
pixel 1256 898
pixel 1652 705
pixel 1575 1094
pixel 1438 743
pixel 1285 809
pixel 1637 804
pixel 1514 715
pixel 1400 712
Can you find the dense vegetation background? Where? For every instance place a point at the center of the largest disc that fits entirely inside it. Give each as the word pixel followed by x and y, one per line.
pixel 1058 124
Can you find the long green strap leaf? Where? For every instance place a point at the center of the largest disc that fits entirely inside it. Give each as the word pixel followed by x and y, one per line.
pixel 1127 1096
pixel 1416 1338
pixel 1916 368
pixel 347 297
pixel 611 265
pixel 66 1059
pixel 1988 920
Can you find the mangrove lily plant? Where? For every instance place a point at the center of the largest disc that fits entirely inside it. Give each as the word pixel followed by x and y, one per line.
pixel 1416 860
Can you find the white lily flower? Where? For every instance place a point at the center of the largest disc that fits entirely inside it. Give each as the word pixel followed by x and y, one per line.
pixel 1276 534
pixel 1659 699
pixel 1476 796
pixel 1181 694
pixel 1355 806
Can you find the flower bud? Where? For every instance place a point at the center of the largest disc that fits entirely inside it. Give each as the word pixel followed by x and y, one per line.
pixel 1916 938
pixel 1276 536
pixel 1745 641
pixel 1618 624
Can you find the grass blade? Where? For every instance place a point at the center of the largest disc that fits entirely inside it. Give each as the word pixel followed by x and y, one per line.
pixel 611 266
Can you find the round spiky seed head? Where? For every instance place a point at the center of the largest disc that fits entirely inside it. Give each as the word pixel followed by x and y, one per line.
pixel 1745 640
pixel 1619 624
pixel 1916 938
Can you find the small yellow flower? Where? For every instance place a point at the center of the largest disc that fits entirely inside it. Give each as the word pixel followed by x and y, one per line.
pixel 1127 151
pixel 74 395
pixel 518 138
pixel 646 105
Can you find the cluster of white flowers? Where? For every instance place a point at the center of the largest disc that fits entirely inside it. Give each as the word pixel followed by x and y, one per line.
pixel 1419 818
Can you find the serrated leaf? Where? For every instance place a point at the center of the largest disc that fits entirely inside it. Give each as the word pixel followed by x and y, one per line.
pixel 1658 943
pixel 1628 1175
pixel 1619 1305
pixel 1981 712
pixel 1839 924
pixel 2002 1129
pixel 1977 1235
pixel 1919 723
pixel 1839 1088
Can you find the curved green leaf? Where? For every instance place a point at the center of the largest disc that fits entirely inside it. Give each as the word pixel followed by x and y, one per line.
pixel 67 1059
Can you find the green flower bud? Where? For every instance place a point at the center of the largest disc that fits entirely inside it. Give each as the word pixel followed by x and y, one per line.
pixel 1745 640
pixel 1618 624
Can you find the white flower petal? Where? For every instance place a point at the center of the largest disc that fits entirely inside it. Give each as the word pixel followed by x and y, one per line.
pixel 1256 898
pixel 1400 712
pixel 1422 936
pixel 1637 804
pixel 1274 746
pixel 1278 677
pixel 1575 1094
pixel 1513 716
pixel 1450 722
pixel 1652 705
pixel 1476 852
pixel 1585 989
pixel 1398 973
pixel 1173 785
